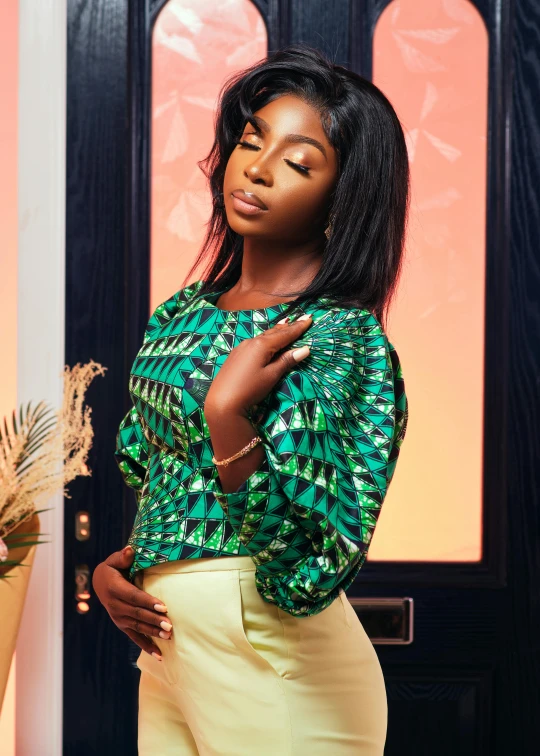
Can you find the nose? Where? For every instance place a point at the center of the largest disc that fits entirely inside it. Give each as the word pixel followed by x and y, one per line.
pixel 258 172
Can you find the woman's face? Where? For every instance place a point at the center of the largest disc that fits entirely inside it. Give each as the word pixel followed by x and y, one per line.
pixel 287 165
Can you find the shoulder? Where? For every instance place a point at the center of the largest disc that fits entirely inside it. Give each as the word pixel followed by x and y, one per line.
pixel 187 294
pixel 354 334
pixel 354 352
pixel 334 318
pixel 361 328
pixel 171 307
pixel 350 354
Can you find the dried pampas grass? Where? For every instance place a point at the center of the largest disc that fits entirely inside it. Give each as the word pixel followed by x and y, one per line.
pixel 44 450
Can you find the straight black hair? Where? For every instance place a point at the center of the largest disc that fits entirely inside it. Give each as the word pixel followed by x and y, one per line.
pixel 362 259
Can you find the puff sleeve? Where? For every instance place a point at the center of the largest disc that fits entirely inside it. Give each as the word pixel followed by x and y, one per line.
pixel 332 430
pixel 132 448
pixel 131 452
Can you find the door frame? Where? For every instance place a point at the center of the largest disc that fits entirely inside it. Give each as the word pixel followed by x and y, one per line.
pixel 41 156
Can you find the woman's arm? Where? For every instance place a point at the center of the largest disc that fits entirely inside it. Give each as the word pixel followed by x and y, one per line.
pixel 138 614
pixel 331 435
pixel 247 376
pixel 134 611
pixel 230 432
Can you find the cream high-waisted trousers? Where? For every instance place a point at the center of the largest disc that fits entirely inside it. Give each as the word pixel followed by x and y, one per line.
pixel 242 677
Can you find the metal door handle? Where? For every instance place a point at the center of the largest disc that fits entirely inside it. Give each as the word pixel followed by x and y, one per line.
pixel 387 621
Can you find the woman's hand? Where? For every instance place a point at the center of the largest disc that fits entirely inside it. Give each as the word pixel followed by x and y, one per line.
pixel 135 612
pixel 252 369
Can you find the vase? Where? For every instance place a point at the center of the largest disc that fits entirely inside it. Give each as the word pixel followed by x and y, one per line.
pixel 12 596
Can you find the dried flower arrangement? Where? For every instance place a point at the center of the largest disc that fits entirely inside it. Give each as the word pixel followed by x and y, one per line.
pixel 40 454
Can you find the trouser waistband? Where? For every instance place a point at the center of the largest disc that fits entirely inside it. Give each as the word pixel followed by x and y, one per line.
pixel 202 565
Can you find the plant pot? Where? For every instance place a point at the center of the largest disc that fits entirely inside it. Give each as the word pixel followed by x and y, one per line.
pixel 12 596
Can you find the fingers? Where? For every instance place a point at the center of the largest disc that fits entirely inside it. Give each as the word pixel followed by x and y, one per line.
pixel 144 643
pixel 288 359
pixel 134 611
pixel 125 590
pixel 283 334
pixel 288 322
pixel 139 599
pixel 130 623
pixel 121 560
pixel 155 624
pixel 131 607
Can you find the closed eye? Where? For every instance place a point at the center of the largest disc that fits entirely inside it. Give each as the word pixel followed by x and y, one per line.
pixel 247 144
pixel 302 168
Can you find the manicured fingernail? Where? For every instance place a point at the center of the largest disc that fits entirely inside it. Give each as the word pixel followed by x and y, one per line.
pixel 156 655
pixel 128 550
pixel 299 354
pixel 283 321
pixel 166 626
pixel 160 608
pixel 164 635
pixel 304 317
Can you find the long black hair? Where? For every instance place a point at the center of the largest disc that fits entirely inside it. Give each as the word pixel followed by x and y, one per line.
pixel 362 259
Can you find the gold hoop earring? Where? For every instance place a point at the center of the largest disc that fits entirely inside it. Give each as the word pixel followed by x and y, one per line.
pixel 328 230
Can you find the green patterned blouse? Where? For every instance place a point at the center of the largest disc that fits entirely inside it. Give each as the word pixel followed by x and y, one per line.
pixel 332 429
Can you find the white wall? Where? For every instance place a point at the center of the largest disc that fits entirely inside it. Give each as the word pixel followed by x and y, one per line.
pixel 40 361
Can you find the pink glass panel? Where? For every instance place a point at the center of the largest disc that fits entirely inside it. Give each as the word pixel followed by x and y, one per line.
pixel 196 45
pixel 431 60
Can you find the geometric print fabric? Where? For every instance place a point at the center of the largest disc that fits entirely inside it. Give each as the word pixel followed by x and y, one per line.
pixel 332 430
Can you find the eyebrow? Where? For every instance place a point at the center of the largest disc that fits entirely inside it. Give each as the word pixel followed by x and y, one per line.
pixel 259 124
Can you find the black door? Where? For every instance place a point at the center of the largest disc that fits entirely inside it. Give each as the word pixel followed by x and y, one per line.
pixel 461 667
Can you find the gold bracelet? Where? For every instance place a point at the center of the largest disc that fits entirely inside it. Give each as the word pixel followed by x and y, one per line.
pixel 241 453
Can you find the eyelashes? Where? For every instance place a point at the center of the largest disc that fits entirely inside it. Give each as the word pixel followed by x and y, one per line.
pixel 302 168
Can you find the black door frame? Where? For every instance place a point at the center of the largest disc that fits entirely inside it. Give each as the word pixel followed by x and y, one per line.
pixel 107 307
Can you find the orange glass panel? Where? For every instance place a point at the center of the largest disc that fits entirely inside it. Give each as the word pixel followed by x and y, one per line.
pixel 196 45
pixel 431 60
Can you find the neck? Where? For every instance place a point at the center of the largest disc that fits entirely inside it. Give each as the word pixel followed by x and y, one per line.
pixel 272 268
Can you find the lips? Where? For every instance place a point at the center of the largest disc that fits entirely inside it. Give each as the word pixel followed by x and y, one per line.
pixel 249 198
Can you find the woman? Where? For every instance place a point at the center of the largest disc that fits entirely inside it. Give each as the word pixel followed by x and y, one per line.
pixel 268 414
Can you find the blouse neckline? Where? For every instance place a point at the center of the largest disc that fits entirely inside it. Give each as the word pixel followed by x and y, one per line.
pixel 210 300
